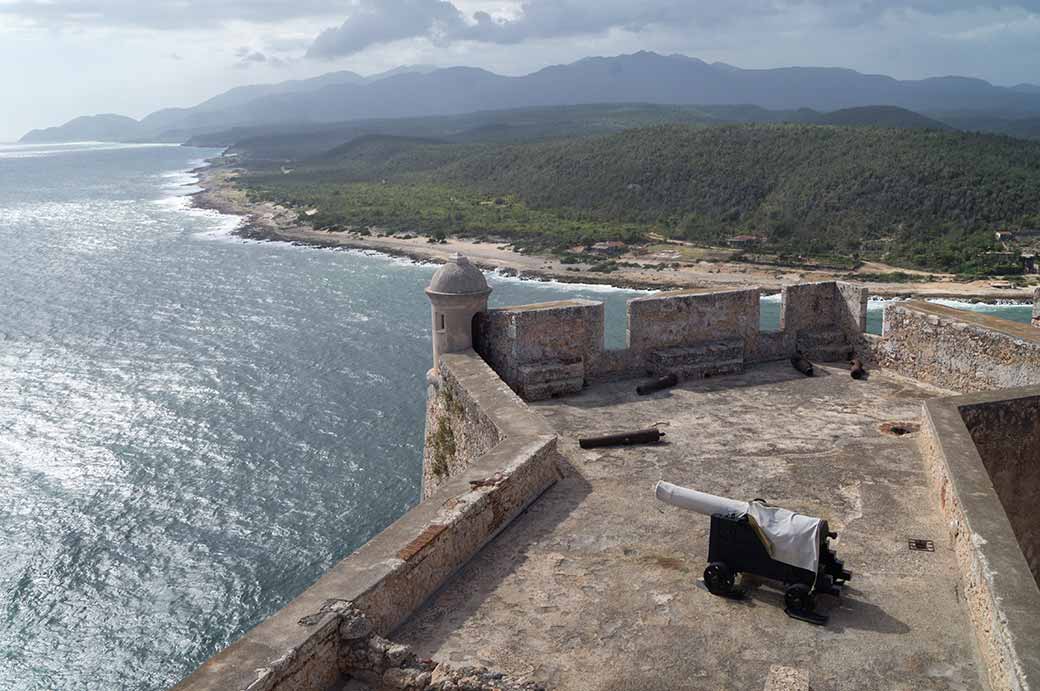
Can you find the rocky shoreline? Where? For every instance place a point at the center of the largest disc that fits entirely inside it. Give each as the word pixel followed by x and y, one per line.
pixel 266 221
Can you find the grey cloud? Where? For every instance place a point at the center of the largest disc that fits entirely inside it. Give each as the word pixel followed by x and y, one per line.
pixel 162 14
pixel 286 44
pixel 375 22
pixel 247 57
pixel 382 21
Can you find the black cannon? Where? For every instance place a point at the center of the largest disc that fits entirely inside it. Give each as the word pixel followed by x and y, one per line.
pixel 766 541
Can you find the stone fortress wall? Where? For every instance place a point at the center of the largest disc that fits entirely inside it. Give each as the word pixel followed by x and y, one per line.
pixel 957 350
pixel 982 453
pixel 488 456
pixel 555 348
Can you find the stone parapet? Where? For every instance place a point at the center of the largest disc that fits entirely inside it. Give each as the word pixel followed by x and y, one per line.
pixel 300 646
pixel 958 350
pixel 524 343
pixel 1000 591
pixel 693 317
pixel 567 331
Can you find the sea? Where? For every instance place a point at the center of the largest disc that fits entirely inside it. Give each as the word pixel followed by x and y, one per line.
pixel 193 426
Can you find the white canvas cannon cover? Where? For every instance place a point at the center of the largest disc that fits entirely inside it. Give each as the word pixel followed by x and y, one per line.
pixel 790 538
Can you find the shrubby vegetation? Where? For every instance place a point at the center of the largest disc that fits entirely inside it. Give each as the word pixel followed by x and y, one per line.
pixel 917 198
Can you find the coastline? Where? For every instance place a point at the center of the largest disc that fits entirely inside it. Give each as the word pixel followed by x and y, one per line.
pixel 266 221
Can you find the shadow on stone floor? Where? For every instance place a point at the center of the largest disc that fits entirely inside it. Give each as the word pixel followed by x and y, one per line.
pixel 846 612
pixel 463 595
pixel 607 395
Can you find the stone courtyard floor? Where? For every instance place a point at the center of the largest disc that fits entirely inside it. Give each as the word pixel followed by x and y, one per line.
pixel 597 586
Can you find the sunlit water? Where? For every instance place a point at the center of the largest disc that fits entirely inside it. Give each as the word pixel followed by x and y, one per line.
pixel 192 427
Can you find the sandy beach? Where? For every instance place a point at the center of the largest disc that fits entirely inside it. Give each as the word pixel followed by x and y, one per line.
pixel 269 221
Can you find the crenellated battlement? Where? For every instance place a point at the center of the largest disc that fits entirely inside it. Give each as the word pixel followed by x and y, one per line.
pixel 555 348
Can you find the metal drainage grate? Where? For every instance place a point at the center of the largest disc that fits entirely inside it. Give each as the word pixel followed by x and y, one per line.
pixel 921 545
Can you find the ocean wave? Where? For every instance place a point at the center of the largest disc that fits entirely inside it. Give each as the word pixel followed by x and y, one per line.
pixel 500 276
pixel 182 184
pixel 975 306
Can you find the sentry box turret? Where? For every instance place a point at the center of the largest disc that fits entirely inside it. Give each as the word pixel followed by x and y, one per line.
pixel 766 541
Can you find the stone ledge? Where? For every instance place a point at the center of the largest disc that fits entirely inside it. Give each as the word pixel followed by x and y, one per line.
pixel 1002 596
pixel 958 350
pixel 942 314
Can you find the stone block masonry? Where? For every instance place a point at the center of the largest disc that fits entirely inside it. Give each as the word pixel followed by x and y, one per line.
pixel 826 319
pixel 692 317
pixel 550 349
pixel 958 350
pixel 568 332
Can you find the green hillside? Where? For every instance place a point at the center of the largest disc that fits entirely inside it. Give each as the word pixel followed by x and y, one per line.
pixel 920 198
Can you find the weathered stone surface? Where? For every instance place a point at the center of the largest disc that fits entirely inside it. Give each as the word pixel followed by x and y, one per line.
pixel 567 331
pixel 551 389
pixel 702 360
pixel 550 371
pixel 958 350
pixel 825 345
pixel 787 679
pixel 587 565
pixel 355 626
pixel 687 318
pixel 377 663
pixel 596 586
pixel 827 305
pixel 543 380
pixel 1002 598
pixel 458 430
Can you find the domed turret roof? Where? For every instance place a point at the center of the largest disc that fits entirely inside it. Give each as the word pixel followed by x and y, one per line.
pixel 458 277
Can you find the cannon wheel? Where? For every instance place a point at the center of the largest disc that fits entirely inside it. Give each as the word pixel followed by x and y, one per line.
pixel 718 578
pixel 798 597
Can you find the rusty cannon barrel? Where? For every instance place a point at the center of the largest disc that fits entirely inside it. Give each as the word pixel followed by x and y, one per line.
pixel 659 384
pixel 642 436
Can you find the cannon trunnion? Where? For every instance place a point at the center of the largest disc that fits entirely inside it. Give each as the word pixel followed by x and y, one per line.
pixel 735 547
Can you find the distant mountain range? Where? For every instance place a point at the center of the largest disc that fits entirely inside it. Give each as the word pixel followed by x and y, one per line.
pixel 304 141
pixel 643 77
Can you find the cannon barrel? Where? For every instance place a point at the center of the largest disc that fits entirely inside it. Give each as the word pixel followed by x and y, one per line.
pixel 665 382
pixel 642 436
pixel 701 502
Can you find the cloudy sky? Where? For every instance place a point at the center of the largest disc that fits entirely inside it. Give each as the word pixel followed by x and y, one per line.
pixel 63 58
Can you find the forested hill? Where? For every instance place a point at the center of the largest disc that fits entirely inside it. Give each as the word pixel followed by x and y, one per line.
pixel 917 197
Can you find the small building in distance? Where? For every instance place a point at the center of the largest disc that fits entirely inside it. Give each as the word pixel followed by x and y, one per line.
pixel 607 249
pixel 1029 263
pixel 745 241
pixel 1004 236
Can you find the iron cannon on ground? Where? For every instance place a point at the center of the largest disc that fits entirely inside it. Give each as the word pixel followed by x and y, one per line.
pixel 767 541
